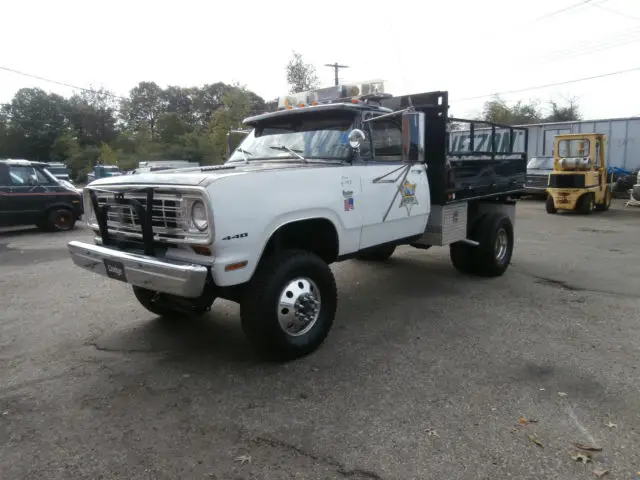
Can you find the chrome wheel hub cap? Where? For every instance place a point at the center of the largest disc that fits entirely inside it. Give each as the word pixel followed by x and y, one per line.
pixel 502 245
pixel 299 306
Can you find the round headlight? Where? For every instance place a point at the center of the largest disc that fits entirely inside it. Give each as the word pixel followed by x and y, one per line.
pixel 199 215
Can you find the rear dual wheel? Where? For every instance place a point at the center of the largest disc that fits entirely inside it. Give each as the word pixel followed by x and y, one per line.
pixel 492 256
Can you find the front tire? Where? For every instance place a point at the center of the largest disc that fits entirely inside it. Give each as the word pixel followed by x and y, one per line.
pixel 379 254
pixel 604 206
pixel 585 204
pixel 290 305
pixel 551 208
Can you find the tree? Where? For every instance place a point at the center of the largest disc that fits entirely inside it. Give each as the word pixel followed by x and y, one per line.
pixel 107 156
pixel 37 118
pixel 301 76
pixel 567 113
pixel 499 111
pixel 145 104
pixel 92 115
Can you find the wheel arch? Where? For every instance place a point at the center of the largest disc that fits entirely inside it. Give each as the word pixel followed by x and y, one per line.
pixel 317 234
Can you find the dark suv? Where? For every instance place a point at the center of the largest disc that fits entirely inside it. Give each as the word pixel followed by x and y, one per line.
pixel 31 195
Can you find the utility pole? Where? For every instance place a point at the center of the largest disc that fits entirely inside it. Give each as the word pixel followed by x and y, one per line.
pixel 336 67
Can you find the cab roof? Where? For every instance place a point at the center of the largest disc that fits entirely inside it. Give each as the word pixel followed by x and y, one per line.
pixel 327 107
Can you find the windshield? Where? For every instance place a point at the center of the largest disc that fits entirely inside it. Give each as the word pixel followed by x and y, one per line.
pixel 110 169
pixel 541 163
pixel 573 148
pixel 291 137
pixel 51 176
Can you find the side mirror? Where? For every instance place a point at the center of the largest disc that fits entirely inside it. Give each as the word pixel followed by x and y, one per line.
pixel 413 127
pixel 356 138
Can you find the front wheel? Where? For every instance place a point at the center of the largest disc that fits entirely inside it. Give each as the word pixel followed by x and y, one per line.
pixel 290 304
pixel 585 204
pixel 551 208
pixel 606 201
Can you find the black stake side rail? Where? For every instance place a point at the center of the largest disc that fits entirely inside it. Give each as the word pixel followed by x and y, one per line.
pixel 144 212
pixel 493 126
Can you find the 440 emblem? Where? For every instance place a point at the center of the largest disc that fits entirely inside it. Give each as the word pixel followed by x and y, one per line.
pixel 408 195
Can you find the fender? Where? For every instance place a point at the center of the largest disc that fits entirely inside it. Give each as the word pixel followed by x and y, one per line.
pixel 243 275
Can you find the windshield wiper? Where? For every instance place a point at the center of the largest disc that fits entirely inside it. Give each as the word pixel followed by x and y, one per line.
pixel 244 154
pixel 290 150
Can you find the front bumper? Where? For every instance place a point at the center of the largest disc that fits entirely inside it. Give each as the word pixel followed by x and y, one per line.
pixel 160 275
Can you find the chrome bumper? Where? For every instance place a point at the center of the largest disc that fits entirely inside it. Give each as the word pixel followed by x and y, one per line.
pixel 160 275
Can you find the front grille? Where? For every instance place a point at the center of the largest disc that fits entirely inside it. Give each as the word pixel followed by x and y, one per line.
pixel 569 180
pixel 170 221
pixel 166 216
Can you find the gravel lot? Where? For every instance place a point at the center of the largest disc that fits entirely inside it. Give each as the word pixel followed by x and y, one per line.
pixel 425 374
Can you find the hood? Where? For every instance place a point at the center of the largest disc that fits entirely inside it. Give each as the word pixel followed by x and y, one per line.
pixel 203 175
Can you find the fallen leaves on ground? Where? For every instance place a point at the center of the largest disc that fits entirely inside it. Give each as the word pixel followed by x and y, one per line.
pixel 535 441
pixel 432 433
pixel 588 447
pixel 244 459
pixel 581 457
pixel 600 473
pixel 562 394
pixel 611 425
pixel 526 421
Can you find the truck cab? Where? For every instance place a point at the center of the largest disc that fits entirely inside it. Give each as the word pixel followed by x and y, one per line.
pixel 343 173
pixel 579 179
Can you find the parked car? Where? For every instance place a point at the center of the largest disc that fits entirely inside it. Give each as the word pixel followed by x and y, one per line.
pixel 31 195
pixel 538 170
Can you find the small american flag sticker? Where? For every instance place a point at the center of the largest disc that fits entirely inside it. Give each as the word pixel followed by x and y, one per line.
pixel 348 200
pixel 348 204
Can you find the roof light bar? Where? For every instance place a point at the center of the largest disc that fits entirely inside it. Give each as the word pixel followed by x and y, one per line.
pixel 346 92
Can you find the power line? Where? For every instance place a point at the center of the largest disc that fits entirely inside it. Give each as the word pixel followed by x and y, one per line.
pixel 570 7
pixel 566 82
pixel 615 11
pixel 59 83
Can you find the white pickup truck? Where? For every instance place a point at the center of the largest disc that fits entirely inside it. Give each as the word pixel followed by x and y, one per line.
pixel 332 175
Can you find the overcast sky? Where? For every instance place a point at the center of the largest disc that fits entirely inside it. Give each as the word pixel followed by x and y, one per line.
pixel 467 47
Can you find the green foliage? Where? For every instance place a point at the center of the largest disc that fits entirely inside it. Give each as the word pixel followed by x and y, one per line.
pixel 301 76
pixel 107 155
pixel 499 111
pixel 150 124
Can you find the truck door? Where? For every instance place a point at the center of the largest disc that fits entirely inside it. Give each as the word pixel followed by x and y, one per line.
pixel 395 195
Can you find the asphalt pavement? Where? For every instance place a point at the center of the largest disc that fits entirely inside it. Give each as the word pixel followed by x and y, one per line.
pixel 426 374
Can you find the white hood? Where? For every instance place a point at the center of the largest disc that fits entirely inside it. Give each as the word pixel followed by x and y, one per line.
pixel 200 175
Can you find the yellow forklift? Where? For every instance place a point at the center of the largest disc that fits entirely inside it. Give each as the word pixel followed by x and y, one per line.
pixel 578 180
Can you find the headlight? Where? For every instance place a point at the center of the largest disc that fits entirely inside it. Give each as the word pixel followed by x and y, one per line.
pixel 199 215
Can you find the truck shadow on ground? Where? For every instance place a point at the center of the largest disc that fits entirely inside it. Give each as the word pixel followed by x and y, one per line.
pixel 381 290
